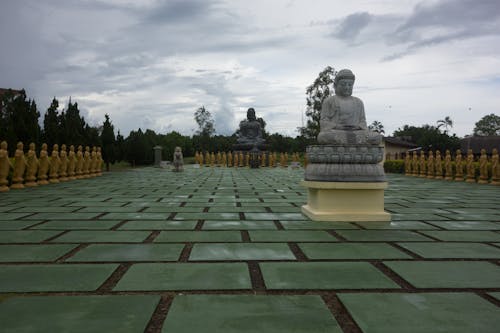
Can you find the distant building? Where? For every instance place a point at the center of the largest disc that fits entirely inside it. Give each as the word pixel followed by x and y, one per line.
pixel 396 148
pixel 476 143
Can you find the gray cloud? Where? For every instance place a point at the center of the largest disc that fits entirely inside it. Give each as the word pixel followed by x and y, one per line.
pixel 443 22
pixel 350 27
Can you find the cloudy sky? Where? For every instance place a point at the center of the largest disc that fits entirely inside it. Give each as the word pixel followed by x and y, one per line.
pixel 152 63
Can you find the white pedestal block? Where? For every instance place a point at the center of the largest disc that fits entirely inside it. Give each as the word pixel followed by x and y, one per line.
pixel 345 201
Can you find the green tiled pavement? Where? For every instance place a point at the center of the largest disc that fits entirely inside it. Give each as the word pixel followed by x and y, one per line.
pixel 451 274
pixel 352 251
pixel 102 236
pixel 453 250
pixel 422 313
pixel 242 251
pixel 129 252
pixel 322 275
pixel 199 236
pixel 129 313
pixel 248 313
pixel 230 240
pixel 30 278
pixel 184 276
pixel 33 253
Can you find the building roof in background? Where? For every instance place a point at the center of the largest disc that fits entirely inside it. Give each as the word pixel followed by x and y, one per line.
pixel 476 143
pixel 399 142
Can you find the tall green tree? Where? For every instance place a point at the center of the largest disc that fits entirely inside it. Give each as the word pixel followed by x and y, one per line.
pixel 51 124
pixel 428 137
pixel 317 92
pixel 488 125
pixel 18 119
pixel 120 147
pixel 205 122
pixel 108 142
pixel 75 125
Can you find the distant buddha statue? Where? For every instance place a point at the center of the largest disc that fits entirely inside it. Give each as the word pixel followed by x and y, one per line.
pixel 342 117
pixel 250 132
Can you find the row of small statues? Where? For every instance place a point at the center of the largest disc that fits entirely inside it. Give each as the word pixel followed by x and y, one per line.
pixel 433 166
pixel 28 170
pixel 240 159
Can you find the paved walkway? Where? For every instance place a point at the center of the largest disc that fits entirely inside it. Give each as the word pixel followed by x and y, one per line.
pixel 227 250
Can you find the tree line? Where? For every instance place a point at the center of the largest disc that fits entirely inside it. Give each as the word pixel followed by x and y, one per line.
pixel 19 121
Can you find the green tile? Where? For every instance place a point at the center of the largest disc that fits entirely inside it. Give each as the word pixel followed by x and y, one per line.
pixel 238 225
pixel 199 236
pixel 33 253
pixel 249 313
pixel 102 236
pixel 12 216
pixel 16 224
pixel 26 236
pixel 417 217
pixel 110 209
pixel 185 276
pixel 448 274
pixel 241 251
pixel 323 275
pixel 62 216
pixel 75 314
pixel 129 252
pixel 77 224
pixel 207 216
pixel 453 250
pixel 158 225
pixel 351 251
pixel 275 216
pixel 303 225
pixel 465 236
pixel 381 235
pixel 135 216
pixel 398 225
pixel 57 277
pixel 291 236
pixel 467 225
pixel 422 313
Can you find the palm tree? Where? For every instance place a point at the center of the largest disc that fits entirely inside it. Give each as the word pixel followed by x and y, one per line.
pixel 377 126
pixel 446 122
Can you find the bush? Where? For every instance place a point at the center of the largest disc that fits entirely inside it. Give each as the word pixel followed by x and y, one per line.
pixel 394 166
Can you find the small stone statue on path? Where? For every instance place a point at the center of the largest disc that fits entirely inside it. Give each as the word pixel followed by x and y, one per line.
pixel 438 169
pixel 495 169
pixel 79 163
pixel 471 170
pixel 423 165
pixel 483 167
pixel 178 160
pixel 430 165
pixel 63 167
pixel 5 166
pixel 43 165
pixel 459 167
pixel 19 167
pixel 31 169
pixel 71 163
pixel 448 172
pixel 55 162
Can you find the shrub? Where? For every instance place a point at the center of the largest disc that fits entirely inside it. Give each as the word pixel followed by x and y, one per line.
pixel 394 166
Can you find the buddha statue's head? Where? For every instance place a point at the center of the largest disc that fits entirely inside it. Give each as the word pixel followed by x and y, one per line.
pixel 20 145
pixel 3 145
pixel 344 82
pixel 251 114
pixel 32 146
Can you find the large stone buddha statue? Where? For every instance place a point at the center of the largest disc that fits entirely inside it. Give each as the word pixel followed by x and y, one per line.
pixel 343 120
pixel 250 132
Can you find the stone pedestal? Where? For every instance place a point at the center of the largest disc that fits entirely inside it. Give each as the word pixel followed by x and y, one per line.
pixel 157 150
pixel 345 183
pixel 345 201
